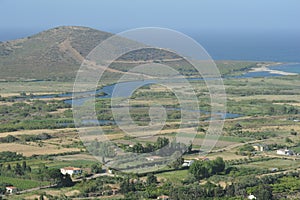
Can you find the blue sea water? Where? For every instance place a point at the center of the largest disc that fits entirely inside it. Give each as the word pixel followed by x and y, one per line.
pixel 270 46
pixel 255 46
pixel 290 67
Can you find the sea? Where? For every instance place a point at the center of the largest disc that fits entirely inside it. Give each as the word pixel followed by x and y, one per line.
pixel 283 47
pixel 255 45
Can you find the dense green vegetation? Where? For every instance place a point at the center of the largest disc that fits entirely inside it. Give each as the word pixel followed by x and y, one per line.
pixel 162 144
pixel 269 115
pixel 7 156
pixel 42 173
pixel 206 169
pixel 33 114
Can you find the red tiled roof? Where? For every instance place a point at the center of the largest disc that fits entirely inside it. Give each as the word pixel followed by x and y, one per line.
pixel 11 187
pixel 163 197
pixel 71 168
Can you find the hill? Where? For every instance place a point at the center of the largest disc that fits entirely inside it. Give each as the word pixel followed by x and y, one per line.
pixel 56 54
pixel 53 54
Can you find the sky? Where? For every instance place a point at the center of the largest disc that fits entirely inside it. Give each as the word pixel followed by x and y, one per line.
pixel 20 18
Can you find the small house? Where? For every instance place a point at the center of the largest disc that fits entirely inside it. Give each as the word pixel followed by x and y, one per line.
pixel 71 171
pixel 251 197
pixel 187 163
pixel 285 152
pixel 11 189
pixel 163 197
pixel 274 169
pixel 260 147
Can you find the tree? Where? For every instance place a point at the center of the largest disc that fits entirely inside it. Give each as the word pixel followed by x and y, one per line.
pixel 127 186
pixel 41 197
pixel 219 165
pixel 288 140
pixel 24 165
pixel 23 94
pixel 264 192
pixel 28 168
pixel 198 170
pixel 204 169
pixel 149 147
pixel 3 187
pixel 54 175
pixel 66 181
pixel 237 129
pixel 177 163
pixel 161 142
pixel 42 168
pixel 190 148
pixel 138 148
pixel 271 110
pixel 151 179
pixel 96 168
pixel 246 149
pixel 229 190
pixel 293 132
pixel 18 170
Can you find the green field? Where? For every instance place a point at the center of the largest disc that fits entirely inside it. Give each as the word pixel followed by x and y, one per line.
pixel 174 176
pixel 23 184
pixel 274 163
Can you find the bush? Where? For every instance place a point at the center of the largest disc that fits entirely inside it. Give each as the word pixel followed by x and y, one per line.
pixel 205 169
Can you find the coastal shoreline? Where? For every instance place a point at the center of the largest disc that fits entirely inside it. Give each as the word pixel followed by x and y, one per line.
pixel 264 68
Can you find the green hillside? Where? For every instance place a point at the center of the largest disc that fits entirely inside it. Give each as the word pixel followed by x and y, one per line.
pixel 53 54
pixel 56 54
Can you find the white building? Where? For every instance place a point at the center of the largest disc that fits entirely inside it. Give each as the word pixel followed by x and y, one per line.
pixel 152 158
pixel 11 189
pixel 70 170
pixel 260 147
pixel 251 197
pixel 163 197
pixel 285 152
pixel 187 163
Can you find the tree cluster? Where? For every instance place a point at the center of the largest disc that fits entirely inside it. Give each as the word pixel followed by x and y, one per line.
pixel 205 169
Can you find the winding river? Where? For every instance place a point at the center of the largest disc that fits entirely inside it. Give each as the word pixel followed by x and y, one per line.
pixel 108 90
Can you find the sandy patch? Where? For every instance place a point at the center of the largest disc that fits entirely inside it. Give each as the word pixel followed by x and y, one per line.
pixel 29 150
pixel 269 97
pixel 9 94
pixel 225 156
pixel 39 131
pixel 76 157
pixel 264 68
pixel 32 197
pixel 72 193
pixel 59 111
pixel 3 103
pixel 291 104
pixel 276 128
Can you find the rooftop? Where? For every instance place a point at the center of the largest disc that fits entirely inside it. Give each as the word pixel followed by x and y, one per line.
pixel 71 168
pixel 11 187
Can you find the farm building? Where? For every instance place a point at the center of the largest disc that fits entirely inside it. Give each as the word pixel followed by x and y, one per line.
pixel 251 197
pixel 203 158
pixel 11 189
pixel 163 197
pixel 71 170
pixel 285 152
pixel 187 163
pixel 260 147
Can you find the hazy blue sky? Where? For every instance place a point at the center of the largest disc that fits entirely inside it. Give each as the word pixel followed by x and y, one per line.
pixel 24 17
